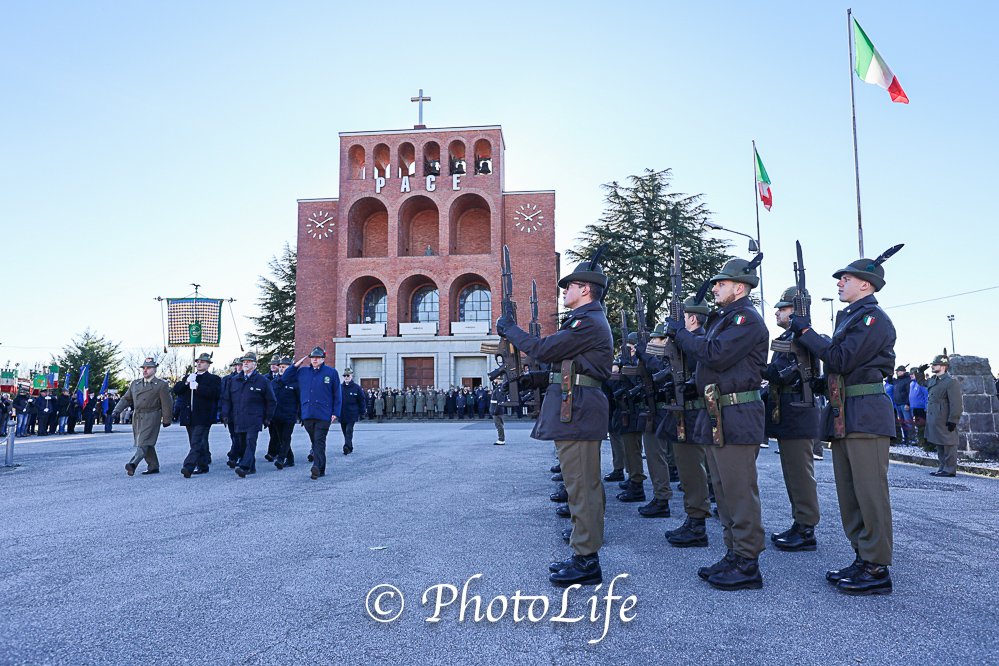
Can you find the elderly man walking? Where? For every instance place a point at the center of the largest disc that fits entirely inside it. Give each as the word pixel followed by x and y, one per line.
pixel 248 405
pixel 319 388
pixel 150 398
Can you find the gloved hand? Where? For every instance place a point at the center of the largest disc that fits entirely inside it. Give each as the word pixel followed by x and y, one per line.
pixel 951 426
pixel 641 348
pixel 819 385
pixel 503 324
pixel 525 382
pixel 799 324
pixel 690 391
pixel 191 378
pixel 193 385
pixel 672 327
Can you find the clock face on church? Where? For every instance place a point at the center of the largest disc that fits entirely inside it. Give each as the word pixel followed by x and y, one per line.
pixel 320 225
pixel 527 218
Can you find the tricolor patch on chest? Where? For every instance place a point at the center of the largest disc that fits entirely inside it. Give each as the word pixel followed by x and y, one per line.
pixel 868 320
pixel 739 319
pixel 575 324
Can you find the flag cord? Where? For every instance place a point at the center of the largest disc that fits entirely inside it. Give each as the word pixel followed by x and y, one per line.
pixel 234 324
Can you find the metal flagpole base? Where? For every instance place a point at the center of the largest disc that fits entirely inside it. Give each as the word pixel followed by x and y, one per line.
pixel 11 434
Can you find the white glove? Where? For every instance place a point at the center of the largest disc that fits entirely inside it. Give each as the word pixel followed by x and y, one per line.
pixel 192 378
pixel 193 385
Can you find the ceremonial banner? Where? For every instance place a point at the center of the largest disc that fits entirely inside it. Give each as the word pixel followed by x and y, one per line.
pixel 872 69
pixel 8 381
pixel 83 386
pixel 193 321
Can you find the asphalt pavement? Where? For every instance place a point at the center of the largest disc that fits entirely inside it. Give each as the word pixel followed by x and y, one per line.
pixel 100 568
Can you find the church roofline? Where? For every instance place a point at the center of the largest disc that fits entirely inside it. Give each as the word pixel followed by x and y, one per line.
pixel 531 192
pixel 310 200
pixel 429 130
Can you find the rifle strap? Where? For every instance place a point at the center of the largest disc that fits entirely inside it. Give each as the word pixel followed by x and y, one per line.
pixel 837 403
pixel 712 400
pixel 568 371
pixel 775 414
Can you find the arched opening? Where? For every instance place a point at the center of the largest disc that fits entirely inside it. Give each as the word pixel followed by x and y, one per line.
pixel 431 158
pixel 367 229
pixel 407 159
pixel 483 154
pixel 419 300
pixel 469 224
pixel 381 155
pixel 456 157
pixel 367 301
pixel 475 303
pixel 355 162
pixel 419 221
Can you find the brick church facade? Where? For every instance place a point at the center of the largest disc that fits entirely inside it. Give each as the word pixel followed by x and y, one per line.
pixel 399 277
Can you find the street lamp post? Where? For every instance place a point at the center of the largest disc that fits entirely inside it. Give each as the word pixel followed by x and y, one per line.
pixel 754 246
pixel 832 324
pixel 950 318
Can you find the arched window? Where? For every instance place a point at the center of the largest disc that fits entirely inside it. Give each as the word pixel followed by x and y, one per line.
pixel 425 306
pixel 375 306
pixel 475 303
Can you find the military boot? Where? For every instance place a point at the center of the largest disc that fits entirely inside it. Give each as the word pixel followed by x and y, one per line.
pixel 584 570
pixel 870 578
pixel 682 527
pixel 560 495
pixel 743 574
pixel 635 493
pixel 786 533
pixel 657 508
pixel 563 511
pixel 720 565
pixel 691 535
pixel 567 534
pixel 836 575
pixel 802 539
pixel 674 475
pixel 616 475
pixel 624 485
pixel 557 477
pixel 556 468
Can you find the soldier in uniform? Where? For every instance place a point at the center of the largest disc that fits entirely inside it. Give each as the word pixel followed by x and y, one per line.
pixel 795 427
pixel 150 398
pixel 631 427
pixel 859 421
pixel 617 447
pixel 248 404
pixel 421 403
pixel 658 451
pixel 441 403
pixel 496 410
pixel 944 407
pixel 731 357
pixel 574 410
pixel 379 405
pixel 198 394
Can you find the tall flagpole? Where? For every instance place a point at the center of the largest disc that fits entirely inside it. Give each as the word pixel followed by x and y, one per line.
pixel 756 198
pixel 853 109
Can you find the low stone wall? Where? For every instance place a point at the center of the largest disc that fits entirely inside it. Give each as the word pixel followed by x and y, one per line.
pixel 979 425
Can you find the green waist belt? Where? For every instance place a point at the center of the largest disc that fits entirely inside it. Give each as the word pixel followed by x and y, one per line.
pixel 577 380
pixel 695 404
pixel 739 398
pixel 864 389
pixel 787 389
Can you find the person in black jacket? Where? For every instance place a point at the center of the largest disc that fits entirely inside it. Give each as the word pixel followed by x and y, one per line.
pixel 47 406
pixel 248 404
pixel 452 403
pixel 198 395
pixel 351 409
pixel 234 369
pixel 89 414
pixel 63 402
pixel 287 412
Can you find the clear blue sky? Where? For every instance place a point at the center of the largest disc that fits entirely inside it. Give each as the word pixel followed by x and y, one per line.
pixel 147 147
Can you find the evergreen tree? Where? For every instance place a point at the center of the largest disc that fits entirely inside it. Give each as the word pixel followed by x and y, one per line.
pixel 642 222
pixel 99 352
pixel 275 326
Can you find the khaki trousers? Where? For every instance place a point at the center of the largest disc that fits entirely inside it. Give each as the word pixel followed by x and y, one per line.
pixel 632 442
pixel 860 463
pixel 500 433
pixel 799 477
pixel 580 460
pixel 149 453
pixel 617 451
pixel 733 472
pixel 691 461
pixel 947 455
pixel 655 456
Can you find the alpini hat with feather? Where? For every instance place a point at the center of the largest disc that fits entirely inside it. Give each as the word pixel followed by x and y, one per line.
pixel 741 270
pixel 587 271
pixel 869 270
pixel 205 356
pixel 785 298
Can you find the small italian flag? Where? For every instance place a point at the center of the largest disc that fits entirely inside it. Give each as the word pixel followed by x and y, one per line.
pixel 873 69
pixel 763 182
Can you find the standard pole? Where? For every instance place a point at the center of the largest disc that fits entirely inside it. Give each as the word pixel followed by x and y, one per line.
pixel 11 432
pixel 756 199
pixel 853 110
pixel 953 346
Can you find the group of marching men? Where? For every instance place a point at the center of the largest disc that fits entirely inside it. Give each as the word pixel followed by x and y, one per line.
pixel 725 418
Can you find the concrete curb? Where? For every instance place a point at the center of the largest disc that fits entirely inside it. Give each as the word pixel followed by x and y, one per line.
pixel 930 462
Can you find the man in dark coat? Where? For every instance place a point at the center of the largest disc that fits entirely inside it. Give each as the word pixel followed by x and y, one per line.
pixel 63 402
pixel 481 401
pixel 795 426
pixel 496 410
pixel 248 404
pixel 351 409
pixel 731 357
pixel 574 411
pixel 48 408
pixel 272 443
pixel 286 413
pixel 199 395
pixel 452 403
pixel 234 369
pixel 859 421
pixel 460 402
pixel 319 390
pixel 89 414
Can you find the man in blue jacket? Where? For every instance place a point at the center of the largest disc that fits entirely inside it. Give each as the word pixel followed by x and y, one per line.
pixel 319 388
pixel 352 409
pixel 248 405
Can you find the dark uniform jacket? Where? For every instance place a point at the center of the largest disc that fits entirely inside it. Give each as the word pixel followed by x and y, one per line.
pixel 352 407
pixel 792 422
pixel 288 402
pixel 863 352
pixel 248 402
pixel 666 430
pixel 206 400
pixel 732 353
pixel 63 401
pixel 319 390
pixel 900 394
pixel 584 337
pixel 498 396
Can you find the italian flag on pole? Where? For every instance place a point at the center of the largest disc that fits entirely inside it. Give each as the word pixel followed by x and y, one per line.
pixel 873 69
pixel 763 182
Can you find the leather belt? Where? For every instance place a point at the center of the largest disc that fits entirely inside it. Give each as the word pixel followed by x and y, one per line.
pixel 577 380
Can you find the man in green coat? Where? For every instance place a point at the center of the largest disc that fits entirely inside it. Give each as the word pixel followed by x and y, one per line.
pixel 421 403
pixel 389 404
pixel 379 405
pixel 410 403
pixel 944 407
pixel 150 398
pixel 441 403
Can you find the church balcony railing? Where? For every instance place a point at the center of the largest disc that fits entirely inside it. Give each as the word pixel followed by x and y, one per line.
pixel 366 330
pixel 422 328
pixel 469 328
